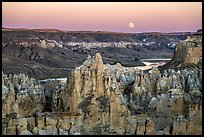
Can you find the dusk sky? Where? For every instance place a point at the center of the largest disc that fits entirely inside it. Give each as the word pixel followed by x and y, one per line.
pixel 104 16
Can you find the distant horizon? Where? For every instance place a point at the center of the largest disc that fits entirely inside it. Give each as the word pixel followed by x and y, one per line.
pixel 93 30
pixel 126 17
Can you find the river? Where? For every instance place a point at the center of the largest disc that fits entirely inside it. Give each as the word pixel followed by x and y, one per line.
pixel 150 63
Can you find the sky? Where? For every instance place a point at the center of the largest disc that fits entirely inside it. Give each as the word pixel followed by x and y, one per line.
pixel 104 16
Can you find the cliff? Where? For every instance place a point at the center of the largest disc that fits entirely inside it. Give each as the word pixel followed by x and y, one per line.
pixel 188 53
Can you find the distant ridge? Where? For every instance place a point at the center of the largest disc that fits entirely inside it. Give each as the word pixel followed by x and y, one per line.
pixel 57 30
pixel 39 30
pixel 98 32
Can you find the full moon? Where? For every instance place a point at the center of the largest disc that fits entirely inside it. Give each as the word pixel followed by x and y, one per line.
pixel 131 25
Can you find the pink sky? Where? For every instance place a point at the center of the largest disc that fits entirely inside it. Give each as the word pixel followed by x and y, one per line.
pixel 104 16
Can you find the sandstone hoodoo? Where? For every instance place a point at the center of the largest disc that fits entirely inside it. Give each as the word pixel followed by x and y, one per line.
pixel 104 99
pixel 100 98
pixel 118 96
